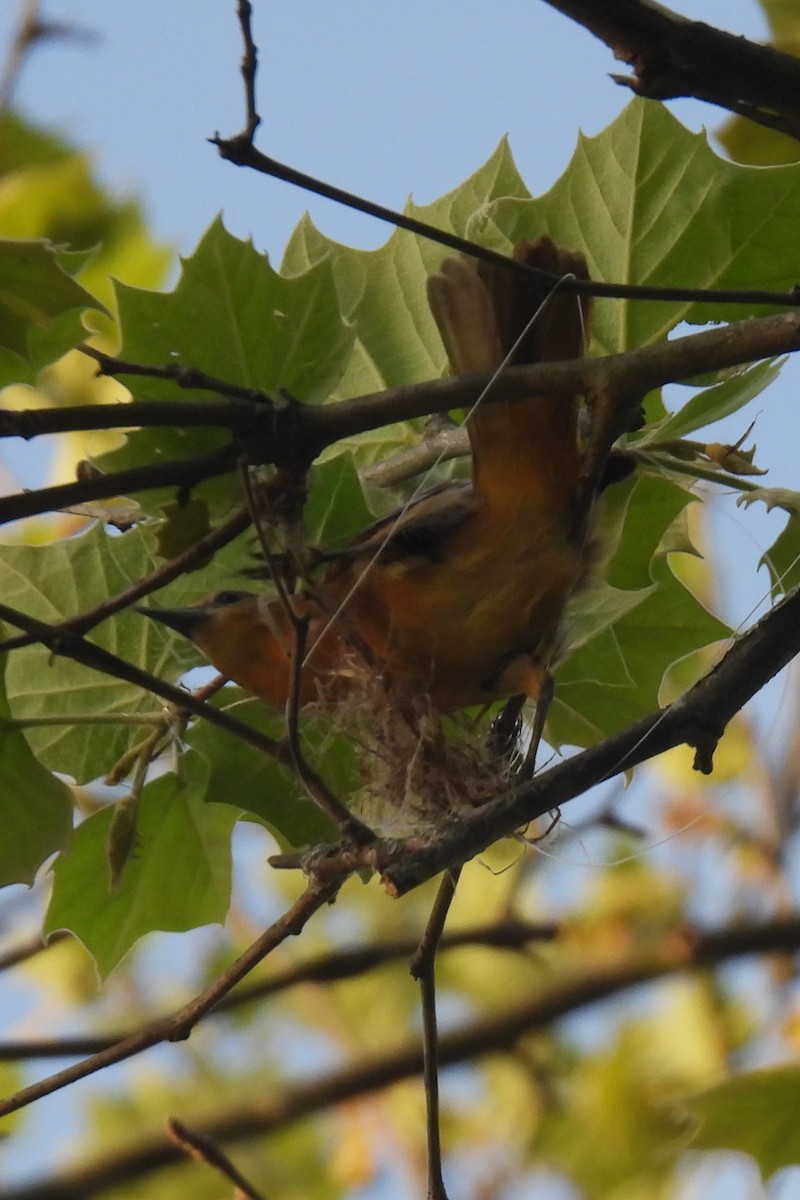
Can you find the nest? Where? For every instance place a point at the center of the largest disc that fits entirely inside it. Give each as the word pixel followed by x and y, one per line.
pixel 418 767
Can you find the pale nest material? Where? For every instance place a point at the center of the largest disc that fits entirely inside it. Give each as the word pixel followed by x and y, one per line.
pixel 418 766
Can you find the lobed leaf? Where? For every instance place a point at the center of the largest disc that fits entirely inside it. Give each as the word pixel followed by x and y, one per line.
pixel 178 878
pixel 755 1113
pixel 35 808
pixel 58 581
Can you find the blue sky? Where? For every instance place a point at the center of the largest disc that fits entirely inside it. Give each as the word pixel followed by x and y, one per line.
pixel 384 100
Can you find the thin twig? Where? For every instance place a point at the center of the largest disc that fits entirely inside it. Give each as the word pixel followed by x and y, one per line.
pixel 185 377
pixel 423 968
pixel 435 448
pixel 188 560
pixel 180 1024
pixel 181 473
pixel 241 151
pixel 249 66
pixel 498 1032
pixel 201 1148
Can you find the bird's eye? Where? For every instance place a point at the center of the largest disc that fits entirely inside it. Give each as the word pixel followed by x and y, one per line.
pixel 224 598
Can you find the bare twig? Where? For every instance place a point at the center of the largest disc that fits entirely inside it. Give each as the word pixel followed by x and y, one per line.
pixel 241 151
pixel 203 1149
pixel 180 1024
pixel 182 474
pixel 488 1035
pixel 244 11
pixel 185 377
pixel 423 968
pixel 435 448
pixel 194 556
pixel 672 55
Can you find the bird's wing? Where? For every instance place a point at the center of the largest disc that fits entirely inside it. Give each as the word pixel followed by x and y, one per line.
pixel 421 529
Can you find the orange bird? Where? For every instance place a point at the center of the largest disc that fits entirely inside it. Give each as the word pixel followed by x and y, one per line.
pixel 458 597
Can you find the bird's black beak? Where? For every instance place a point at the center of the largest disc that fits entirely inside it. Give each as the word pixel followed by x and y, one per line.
pixel 185 621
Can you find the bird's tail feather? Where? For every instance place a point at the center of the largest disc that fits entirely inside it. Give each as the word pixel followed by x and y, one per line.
pixel 528 447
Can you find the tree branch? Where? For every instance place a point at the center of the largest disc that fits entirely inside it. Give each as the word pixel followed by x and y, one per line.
pixel 290 432
pixel 423 968
pixel 627 376
pixel 195 1146
pixel 672 56
pixel 486 1036
pixel 511 934
pixel 182 474
pixel 697 719
pixel 241 151
pixel 180 1024
pixel 234 415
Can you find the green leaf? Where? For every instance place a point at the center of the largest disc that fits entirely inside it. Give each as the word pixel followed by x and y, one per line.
pixel 786 498
pixel 590 619
pixel 755 1113
pixel 783 559
pixel 35 808
pixel 714 403
pixel 47 190
pixel 61 580
pixel 49 199
pixel 262 786
pixel 336 508
pixel 661 623
pixel 178 878
pixel 235 318
pixel 650 203
pixel 35 290
pixel 384 291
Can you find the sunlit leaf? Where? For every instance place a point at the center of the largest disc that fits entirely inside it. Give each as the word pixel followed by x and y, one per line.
pixel 754 1113
pixel 650 203
pixel 35 808
pixel 60 581
pixel 178 877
